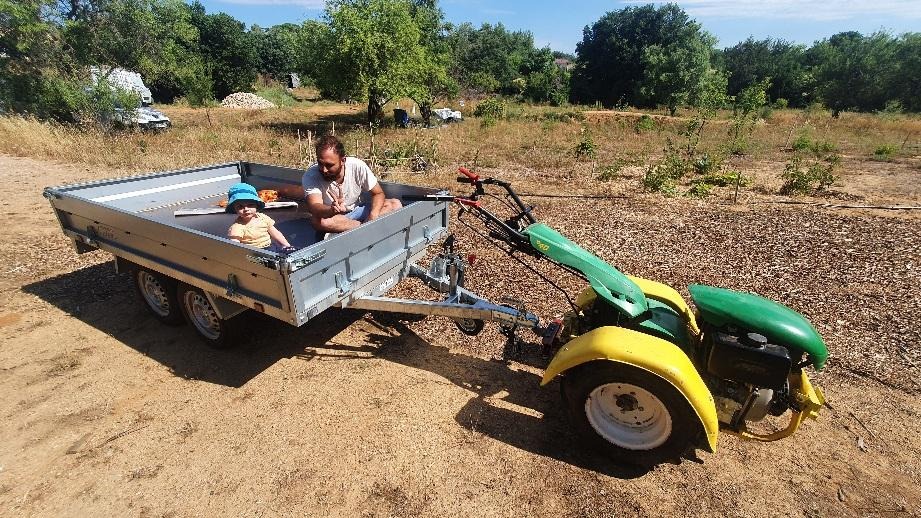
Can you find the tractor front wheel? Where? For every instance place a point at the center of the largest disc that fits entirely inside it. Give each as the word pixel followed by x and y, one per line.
pixel 632 414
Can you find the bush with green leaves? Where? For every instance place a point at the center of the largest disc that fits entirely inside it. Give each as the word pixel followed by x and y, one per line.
pixel 277 95
pixel 808 174
pixel 586 147
pixel 705 163
pixel 491 111
pixel 612 171
pixel 644 123
pixel 724 179
pixel 884 152
pixel 664 176
pixel 699 190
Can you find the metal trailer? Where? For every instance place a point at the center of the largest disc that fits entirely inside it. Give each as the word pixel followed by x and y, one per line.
pixel 185 268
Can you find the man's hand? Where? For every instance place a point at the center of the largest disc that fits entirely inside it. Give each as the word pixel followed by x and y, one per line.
pixel 338 206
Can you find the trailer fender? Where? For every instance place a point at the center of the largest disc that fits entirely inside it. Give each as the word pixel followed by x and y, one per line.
pixel 646 352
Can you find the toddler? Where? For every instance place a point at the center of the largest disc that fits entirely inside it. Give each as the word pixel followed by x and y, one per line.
pixel 252 227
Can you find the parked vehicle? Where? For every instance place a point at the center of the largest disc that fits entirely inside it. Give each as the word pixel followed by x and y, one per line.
pixel 142 115
pixel 186 269
pixel 644 378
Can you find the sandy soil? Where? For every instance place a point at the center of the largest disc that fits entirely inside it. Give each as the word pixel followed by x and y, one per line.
pixel 107 412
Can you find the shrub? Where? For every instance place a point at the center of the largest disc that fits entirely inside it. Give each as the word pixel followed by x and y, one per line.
pixel 664 176
pixel 612 171
pixel 586 147
pixel 781 104
pixel 884 153
pixel 699 190
pixel 491 111
pixel 724 179
pixel 644 124
pixel 278 95
pixel 706 164
pixel 807 176
pixel 802 142
pixel 660 178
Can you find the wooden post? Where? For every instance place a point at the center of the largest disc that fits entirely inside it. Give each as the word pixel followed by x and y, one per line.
pixel 371 145
pixel 309 147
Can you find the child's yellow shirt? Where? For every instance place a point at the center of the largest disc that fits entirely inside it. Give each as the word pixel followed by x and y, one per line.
pixel 255 233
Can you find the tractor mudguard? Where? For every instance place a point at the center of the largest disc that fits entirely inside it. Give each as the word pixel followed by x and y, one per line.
pixel 646 352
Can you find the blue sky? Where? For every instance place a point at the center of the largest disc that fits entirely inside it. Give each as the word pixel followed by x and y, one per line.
pixel 559 24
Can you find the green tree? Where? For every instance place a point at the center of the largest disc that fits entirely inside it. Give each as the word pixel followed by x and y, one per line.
pixel 177 69
pixel 488 59
pixel 228 50
pixel 906 85
pixel 30 52
pixel 431 82
pixel 612 58
pixel 673 72
pixel 544 81
pixel 752 61
pixel 377 51
pixel 854 72
pixel 312 42
pixel 276 49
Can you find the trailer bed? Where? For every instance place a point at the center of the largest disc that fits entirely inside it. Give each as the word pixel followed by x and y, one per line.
pixel 133 218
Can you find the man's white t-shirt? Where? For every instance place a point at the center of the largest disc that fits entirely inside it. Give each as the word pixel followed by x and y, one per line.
pixel 358 178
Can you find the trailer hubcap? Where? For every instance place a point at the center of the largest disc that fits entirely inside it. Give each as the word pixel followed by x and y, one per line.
pixel 203 316
pixel 628 416
pixel 154 293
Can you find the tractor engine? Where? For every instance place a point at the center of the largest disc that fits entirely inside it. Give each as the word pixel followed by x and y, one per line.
pixel 749 375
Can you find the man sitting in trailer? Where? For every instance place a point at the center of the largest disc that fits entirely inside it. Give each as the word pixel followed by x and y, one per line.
pixel 334 186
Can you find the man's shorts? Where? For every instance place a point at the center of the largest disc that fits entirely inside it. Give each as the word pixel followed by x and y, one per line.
pixel 360 213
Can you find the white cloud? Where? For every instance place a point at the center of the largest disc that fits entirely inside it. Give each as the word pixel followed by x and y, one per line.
pixel 805 10
pixel 308 4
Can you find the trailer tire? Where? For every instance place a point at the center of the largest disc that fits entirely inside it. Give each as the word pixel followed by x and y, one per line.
pixel 158 293
pixel 631 414
pixel 210 328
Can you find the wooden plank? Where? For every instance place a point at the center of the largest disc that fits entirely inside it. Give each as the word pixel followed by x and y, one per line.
pixel 220 210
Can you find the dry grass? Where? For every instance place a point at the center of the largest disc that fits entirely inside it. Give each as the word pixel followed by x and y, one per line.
pixel 537 142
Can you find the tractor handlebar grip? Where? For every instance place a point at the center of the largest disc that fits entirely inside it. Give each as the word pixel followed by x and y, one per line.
pixel 466 172
pixel 464 179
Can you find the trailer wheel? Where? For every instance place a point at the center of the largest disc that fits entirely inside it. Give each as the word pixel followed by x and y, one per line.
pixel 212 329
pixel 469 326
pixel 633 415
pixel 158 293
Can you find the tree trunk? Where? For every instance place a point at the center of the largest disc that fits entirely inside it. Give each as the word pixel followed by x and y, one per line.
pixel 425 111
pixel 376 109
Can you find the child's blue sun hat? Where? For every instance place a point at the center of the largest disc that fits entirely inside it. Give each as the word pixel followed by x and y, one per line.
pixel 240 192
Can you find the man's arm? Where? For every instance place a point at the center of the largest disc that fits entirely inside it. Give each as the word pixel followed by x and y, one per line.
pixel 319 209
pixel 377 201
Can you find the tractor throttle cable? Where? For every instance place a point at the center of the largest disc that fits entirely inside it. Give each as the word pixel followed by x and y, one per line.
pixel 511 253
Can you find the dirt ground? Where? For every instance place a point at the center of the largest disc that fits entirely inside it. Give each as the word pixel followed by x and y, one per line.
pixel 107 412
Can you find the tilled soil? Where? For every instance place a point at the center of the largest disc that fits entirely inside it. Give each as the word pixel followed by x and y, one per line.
pixel 107 412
